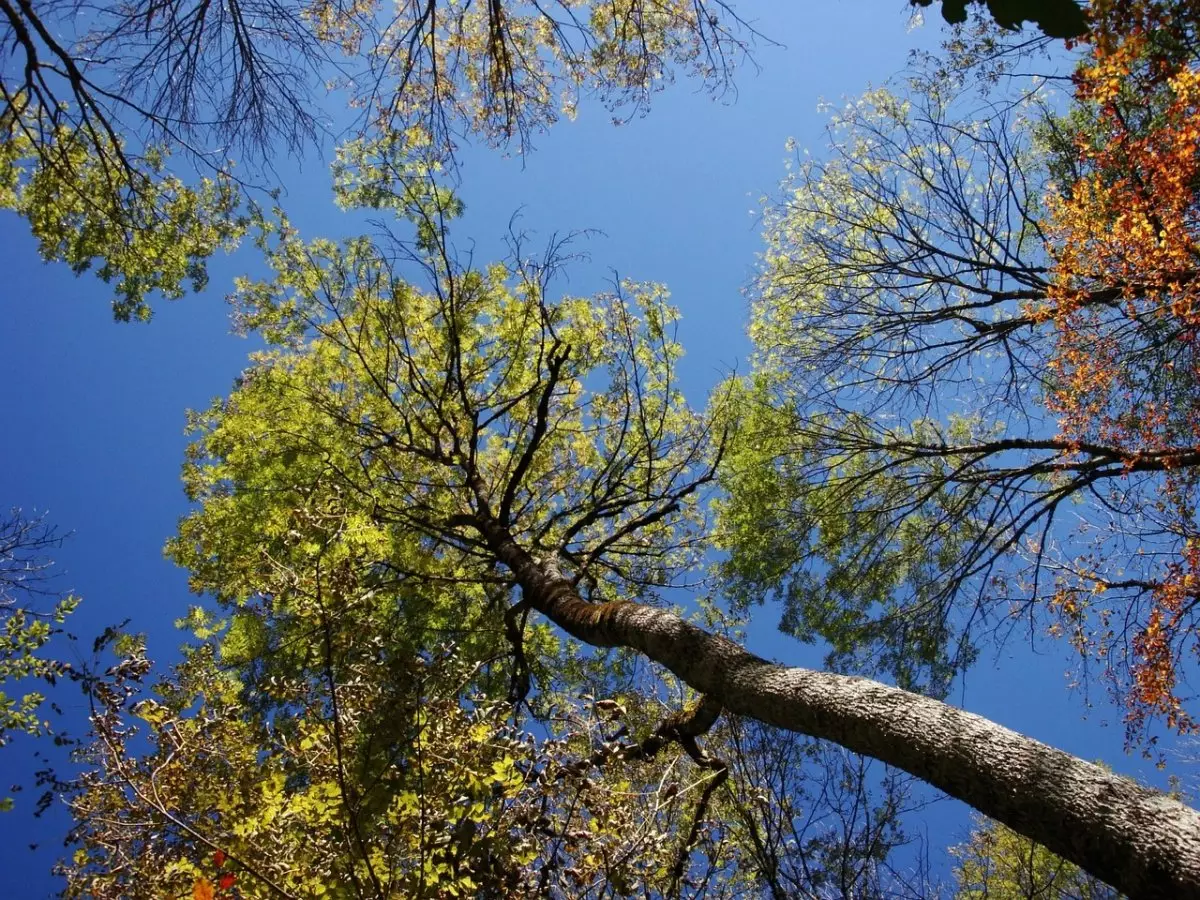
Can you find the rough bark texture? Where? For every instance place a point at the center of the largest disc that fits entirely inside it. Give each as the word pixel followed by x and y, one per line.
pixel 1140 841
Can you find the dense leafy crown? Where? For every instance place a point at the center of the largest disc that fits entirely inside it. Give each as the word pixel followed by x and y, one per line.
pixel 368 645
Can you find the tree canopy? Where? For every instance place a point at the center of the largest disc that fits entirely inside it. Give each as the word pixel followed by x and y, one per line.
pixel 133 137
pixel 129 137
pixel 972 329
pixel 1057 18
pixel 998 863
pixel 28 621
pixel 411 463
pixel 474 570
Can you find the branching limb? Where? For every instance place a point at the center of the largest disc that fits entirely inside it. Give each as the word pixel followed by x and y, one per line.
pixel 514 629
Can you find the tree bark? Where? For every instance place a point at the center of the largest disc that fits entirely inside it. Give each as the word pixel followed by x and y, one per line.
pixel 1140 841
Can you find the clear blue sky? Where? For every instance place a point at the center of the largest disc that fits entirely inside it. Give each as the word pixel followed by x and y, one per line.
pixel 94 412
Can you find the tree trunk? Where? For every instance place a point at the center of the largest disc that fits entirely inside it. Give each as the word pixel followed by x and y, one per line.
pixel 1138 840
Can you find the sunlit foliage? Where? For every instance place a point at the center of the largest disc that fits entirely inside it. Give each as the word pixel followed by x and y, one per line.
pixel 132 138
pixel 996 863
pixel 1124 370
pixel 31 614
pixel 976 384
pixel 343 783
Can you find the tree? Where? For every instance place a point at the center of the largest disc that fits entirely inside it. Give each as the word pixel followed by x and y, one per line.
pixel 969 329
pixel 420 784
pixel 895 455
pixel 998 863
pixel 373 767
pixel 814 820
pixel 24 629
pixel 1124 371
pixel 432 449
pixel 356 785
pixel 119 130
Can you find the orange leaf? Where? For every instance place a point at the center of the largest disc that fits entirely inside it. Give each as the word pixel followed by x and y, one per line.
pixel 202 889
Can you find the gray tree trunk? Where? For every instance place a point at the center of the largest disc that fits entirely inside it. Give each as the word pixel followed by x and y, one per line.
pixel 1138 840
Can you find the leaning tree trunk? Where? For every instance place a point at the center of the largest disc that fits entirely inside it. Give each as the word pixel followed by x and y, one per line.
pixel 1138 840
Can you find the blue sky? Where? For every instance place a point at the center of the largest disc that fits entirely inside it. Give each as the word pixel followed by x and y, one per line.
pixel 94 415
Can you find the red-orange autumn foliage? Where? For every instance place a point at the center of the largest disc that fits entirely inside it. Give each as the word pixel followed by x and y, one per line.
pixel 203 889
pixel 1125 372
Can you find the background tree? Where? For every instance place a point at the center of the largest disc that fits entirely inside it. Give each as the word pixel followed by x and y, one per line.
pixel 119 130
pixel 814 820
pixel 1000 864
pixel 26 629
pixel 895 445
pixel 421 786
pixel 360 786
pixel 1123 372
pixel 976 374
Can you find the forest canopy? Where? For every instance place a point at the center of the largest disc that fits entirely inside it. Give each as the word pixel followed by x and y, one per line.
pixel 474 570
